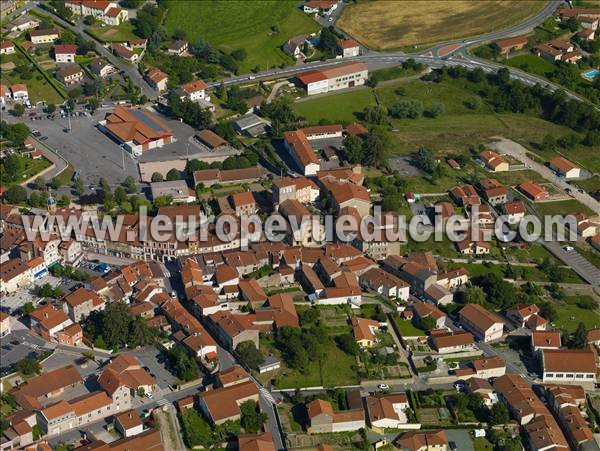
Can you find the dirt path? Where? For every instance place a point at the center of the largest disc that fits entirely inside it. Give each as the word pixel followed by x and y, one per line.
pixel 169 429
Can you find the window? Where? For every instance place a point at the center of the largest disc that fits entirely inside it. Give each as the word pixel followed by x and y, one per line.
pixel 549 374
pixel 570 375
pixel 579 376
pixel 558 376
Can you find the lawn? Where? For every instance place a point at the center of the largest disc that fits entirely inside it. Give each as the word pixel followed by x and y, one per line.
pixel 482 444
pixel 39 89
pixel 343 107
pixel 452 132
pixel 31 168
pixel 337 369
pixel 120 33
pixel 562 207
pixel 569 316
pixel 386 24
pixel 407 328
pixel 531 63
pixel 260 27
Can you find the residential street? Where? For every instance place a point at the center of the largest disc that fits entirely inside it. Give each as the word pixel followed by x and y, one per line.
pixel 516 150
pixel 129 70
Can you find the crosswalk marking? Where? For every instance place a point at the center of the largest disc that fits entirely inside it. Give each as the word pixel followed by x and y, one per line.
pixel 162 402
pixel 267 394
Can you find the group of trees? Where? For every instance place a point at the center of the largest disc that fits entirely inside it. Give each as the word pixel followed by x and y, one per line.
pixel 48 291
pixel 249 355
pixel 281 114
pixel 413 109
pixel 372 150
pixel 115 327
pixel 504 94
pixel 182 364
pixel 15 134
pixel 497 414
pixel 198 432
pixel 192 113
pixel 69 272
pixel 390 188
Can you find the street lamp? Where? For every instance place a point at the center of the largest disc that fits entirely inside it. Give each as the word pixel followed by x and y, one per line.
pixel 122 146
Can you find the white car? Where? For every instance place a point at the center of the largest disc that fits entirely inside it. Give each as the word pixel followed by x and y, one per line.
pixel 149 395
pixel 383 387
pixel 568 248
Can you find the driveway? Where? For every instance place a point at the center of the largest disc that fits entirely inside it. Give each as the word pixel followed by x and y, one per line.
pixel 506 146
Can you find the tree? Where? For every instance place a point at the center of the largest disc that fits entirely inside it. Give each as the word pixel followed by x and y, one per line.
pixel 499 414
pixel 130 184
pixel 425 160
pixel 28 366
pixel 63 201
pixel 88 356
pixel 376 114
pixel 55 183
pixel 249 355
pixel 79 186
pixel 50 108
pixel 16 194
pixel 347 343
pixel 435 110
pixel 156 177
pixel 173 174
pixel 18 109
pixel 328 42
pixel 239 54
pixel 579 338
pixel 353 149
pixel 120 194
pixel 93 104
pixel 196 431
pixel 474 295
pixel 572 24
pixel 408 108
pixel 14 165
pixel 39 183
pixel 27 308
pixel 252 420
pixel 376 147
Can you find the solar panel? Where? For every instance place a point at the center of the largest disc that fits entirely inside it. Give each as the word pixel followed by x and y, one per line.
pixel 146 120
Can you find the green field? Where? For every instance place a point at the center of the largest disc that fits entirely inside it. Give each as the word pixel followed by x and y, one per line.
pixel 407 328
pixel 569 316
pixel 39 89
pixel 562 207
pixel 30 168
pixel 531 63
pixel 454 131
pixel 120 33
pixel 260 27
pixel 337 368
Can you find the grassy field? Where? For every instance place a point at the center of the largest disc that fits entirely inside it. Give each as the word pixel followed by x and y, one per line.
pixel 407 328
pixel 234 24
pixel 562 207
pixel 531 63
pixel 39 89
pixel 337 368
pixel 569 316
pixel 452 132
pixel 386 24
pixel 120 33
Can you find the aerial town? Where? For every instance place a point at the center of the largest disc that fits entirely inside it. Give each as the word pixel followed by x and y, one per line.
pixel 300 225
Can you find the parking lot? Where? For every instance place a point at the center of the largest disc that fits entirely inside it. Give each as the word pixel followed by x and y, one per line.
pixel 18 345
pixel 95 155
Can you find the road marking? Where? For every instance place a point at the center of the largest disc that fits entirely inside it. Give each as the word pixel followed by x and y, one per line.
pixel 267 394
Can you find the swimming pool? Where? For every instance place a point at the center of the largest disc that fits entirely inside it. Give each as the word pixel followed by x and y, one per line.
pixel 591 74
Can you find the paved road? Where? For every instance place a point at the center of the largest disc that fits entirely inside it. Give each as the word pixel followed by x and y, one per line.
pixel 128 69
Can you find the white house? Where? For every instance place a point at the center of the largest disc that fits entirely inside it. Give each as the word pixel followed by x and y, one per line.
pixel 20 93
pixel 6 48
pixel 302 152
pixel 65 53
pixel 341 296
pixel 349 48
pixel 564 168
pixel 389 411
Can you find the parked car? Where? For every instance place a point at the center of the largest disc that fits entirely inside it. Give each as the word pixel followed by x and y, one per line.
pixel 383 387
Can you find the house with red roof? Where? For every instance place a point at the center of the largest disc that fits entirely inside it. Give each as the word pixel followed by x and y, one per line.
pixel 349 48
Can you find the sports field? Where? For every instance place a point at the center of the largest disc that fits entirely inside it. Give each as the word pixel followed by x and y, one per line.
pixel 259 26
pixel 392 24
